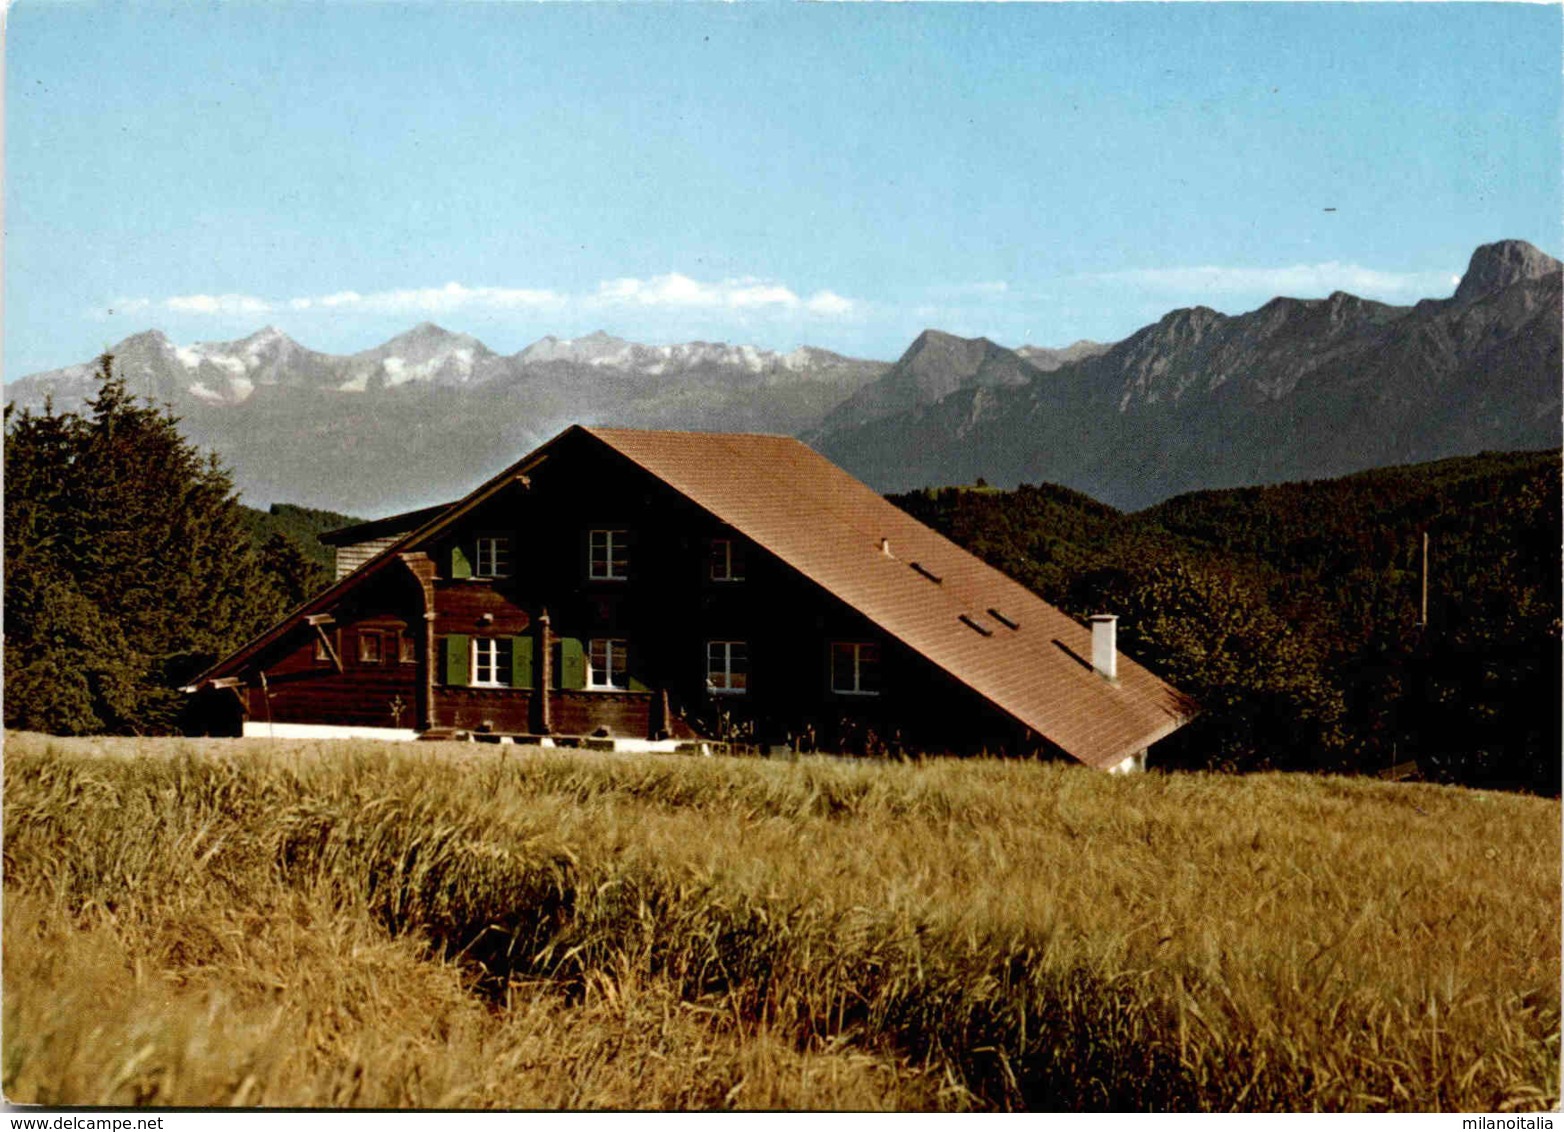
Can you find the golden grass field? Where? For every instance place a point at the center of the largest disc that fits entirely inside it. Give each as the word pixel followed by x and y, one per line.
pixel 220 922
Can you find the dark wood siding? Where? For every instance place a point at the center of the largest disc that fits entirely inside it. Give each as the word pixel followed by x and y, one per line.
pixel 666 611
pixel 501 710
pixel 300 687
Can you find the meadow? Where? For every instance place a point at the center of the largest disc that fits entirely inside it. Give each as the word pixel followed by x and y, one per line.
pixel 222 922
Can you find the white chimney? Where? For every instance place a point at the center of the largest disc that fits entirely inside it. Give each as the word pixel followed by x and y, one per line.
pixel 1105 650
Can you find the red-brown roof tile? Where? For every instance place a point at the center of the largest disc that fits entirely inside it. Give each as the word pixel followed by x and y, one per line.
pixel 831 528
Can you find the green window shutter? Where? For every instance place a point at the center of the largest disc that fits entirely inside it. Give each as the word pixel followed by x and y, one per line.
pixel 457 647
pixel 461 567
pixel 572 664
pixel 634 682
pixel 521 662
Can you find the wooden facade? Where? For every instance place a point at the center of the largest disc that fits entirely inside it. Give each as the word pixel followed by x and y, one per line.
pixel 584 595
pixel 698 611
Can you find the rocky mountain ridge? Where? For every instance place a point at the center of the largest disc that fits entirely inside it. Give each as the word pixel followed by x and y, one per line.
pixel 1048 359
pixel 1297 389
pixel 934 366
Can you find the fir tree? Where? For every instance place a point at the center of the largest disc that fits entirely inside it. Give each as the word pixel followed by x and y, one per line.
pixel 128 567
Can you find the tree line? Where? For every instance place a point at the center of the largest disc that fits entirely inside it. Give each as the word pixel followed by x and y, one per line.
pixel 1294 614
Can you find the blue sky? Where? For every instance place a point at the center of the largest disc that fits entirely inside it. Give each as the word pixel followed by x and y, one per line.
pixel 838 175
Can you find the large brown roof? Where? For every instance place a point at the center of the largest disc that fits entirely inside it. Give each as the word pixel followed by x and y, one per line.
pixel 830 527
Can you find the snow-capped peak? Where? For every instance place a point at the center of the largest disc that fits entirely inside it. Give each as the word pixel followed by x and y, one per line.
pixel 230 373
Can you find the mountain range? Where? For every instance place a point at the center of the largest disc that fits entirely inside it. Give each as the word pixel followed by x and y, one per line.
pixel 421 418
pixel 1297 389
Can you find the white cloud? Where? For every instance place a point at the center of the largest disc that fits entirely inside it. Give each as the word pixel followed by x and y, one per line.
pixel 340 299
pixel 217 304
pixel 1301 280
pixel 673 290
pixel 744 294
pixel 453 296
pixel 829 303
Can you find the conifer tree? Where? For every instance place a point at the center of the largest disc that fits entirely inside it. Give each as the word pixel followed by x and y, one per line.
pixel 127 566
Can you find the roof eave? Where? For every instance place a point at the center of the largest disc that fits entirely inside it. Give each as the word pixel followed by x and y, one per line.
pixel 377 528
pixel 1118 755
pixel 358 577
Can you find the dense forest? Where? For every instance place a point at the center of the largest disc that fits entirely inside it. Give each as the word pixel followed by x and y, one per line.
pixel 1294 613
pixel 301 527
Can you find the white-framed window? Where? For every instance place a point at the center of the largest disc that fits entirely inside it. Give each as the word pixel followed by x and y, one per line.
pixel 608 556
pixel 727 667
pixel 406 648
pixel 493 557
pixel 855 668
pixel 490 663
pixel 606 664
pixel 727 560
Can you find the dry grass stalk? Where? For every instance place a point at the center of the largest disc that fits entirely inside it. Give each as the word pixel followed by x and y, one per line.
pixel 331 924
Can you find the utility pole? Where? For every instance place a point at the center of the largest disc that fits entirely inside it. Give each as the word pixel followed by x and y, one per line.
pixel 1422 622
